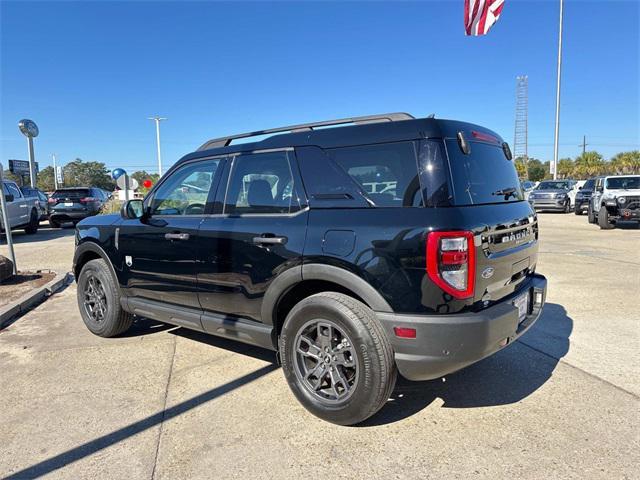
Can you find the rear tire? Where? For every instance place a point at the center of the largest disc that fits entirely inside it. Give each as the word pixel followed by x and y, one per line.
pixel 341 339
pixel 603 219
pixel 99 301
pixel 54 224
pixel 34 223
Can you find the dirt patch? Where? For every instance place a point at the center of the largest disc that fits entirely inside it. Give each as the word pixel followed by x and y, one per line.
pixel 21 284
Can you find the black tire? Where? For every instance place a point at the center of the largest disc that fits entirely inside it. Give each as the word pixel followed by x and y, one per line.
pixel 34 223
pixel 603 219
pixel 113 320
pixel 54 224
pixel 567 207
pixel 374 373
pixel 591 217
pixel 576 210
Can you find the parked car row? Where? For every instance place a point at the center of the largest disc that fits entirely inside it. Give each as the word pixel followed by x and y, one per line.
pixel 27 206
pixel 605 199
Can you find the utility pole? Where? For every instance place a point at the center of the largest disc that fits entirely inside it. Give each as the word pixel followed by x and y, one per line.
pixel 557 129
pixel 584 145
pixel 55 172
pixel 158 120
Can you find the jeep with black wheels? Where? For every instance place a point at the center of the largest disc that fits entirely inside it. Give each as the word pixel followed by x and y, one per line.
pixel 615 199
pixel 383 245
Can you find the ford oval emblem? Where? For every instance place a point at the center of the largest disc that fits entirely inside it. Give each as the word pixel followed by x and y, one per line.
pixel 488 272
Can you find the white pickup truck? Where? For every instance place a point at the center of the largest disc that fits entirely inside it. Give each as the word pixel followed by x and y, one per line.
pixel 22 211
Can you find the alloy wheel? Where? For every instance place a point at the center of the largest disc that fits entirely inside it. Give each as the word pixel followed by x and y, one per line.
pixel 325 361
pixel 95 299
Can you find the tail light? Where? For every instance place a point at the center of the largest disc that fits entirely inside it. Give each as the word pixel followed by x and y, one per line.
pixel 88 199
pixel 451 262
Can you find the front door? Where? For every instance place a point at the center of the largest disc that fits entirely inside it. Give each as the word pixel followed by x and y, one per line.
pixel 258 233
pixel 17 210
pixel 158 254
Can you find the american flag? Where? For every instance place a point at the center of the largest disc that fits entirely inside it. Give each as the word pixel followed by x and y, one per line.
pixel 480 15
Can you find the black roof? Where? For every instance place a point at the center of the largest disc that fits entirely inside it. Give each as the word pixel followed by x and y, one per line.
pixel 400 127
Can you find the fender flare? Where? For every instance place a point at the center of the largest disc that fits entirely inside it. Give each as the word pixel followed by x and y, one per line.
pixel 317 271
pixel 94 248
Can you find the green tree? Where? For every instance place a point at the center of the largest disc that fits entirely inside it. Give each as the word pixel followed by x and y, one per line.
pixel 87 174
pixel 590 164
pixel 566 168
pixel 45 180
pixel 626 162
pixel 521 167
pixel 536 170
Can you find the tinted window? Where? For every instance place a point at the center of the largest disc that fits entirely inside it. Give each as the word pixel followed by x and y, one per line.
pixel 483 176
pixel 71 193
pixel 261 183
pixel 186 191
pixel 13 190
pixel 627 183
pixel 588 185
pixel 386 173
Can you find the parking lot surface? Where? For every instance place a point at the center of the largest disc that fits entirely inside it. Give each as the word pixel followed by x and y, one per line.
pixel 164 402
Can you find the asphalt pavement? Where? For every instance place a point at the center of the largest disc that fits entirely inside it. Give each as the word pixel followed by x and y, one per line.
pixel 164 402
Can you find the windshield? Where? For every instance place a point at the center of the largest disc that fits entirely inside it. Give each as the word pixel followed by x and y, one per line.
pixel 554 185
pixel 483 176
pixel 623 183
pixel 588 185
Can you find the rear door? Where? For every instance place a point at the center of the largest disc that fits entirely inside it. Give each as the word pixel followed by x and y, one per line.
pixel 158 255
pixel 257 232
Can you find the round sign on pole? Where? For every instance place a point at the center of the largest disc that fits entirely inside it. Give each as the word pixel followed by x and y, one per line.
pixel 147 183
pixel 28 128
pixel 133 183
pixel 117 173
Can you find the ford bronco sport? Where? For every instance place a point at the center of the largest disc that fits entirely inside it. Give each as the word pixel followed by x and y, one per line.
pixel 384 244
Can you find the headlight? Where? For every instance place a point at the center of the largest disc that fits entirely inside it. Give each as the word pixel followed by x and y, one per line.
pixel 621 199
pixel 561 195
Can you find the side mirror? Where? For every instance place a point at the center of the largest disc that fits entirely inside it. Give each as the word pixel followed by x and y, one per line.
pixel 132 209
pixel 9 197
pixel 579 188
pixel 599 188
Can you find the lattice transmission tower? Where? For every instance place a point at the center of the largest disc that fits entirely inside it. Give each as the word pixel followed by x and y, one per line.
pixel 522 107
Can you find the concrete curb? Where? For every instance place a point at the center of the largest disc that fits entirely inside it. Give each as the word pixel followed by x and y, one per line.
pixel 33 298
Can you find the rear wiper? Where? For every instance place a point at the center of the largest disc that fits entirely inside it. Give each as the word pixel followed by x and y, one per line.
pixel 507 192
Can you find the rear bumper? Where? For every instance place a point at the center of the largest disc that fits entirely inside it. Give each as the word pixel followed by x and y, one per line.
pixel 69 216
pixel 447 343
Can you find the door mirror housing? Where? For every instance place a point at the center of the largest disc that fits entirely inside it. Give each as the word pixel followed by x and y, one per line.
pixel 132 209
pixel 9 197
pixel 599 188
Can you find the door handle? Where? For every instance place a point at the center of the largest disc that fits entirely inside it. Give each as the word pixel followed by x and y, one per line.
pixel 270 240
pixel 176 236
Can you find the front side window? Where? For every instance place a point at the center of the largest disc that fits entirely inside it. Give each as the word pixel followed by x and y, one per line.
pixel 186 191
pixel 261 183
pixel 13 190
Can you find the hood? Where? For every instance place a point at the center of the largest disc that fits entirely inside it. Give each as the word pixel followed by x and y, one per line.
pixel 621 192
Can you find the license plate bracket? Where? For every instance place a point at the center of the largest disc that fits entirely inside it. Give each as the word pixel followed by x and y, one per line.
pixel 521 302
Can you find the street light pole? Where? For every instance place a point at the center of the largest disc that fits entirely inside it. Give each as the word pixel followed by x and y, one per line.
pixel 557 129
pixel 158 120
pixel 55 172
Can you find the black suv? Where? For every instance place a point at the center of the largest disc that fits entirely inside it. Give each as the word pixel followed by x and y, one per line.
pixel 384 244
pixel 74 204
pixel 583 195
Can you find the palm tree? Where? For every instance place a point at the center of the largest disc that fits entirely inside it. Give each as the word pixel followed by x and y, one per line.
pixel 590 164
pixel 626 162
pixel 565 167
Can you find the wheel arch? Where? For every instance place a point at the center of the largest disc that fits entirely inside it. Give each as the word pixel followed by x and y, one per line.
pixel 297 283
pixel 87 251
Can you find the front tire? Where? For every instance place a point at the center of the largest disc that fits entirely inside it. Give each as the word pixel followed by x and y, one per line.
pixel 54 224
pixel 336 358
pixel 34 223
pixel 603 219
pixel 591 217
pixel 99 301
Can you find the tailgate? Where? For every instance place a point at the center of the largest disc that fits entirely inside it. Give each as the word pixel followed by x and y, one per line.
pixel 506 252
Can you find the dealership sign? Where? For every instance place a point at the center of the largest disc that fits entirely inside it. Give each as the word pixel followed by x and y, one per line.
pixel 20 167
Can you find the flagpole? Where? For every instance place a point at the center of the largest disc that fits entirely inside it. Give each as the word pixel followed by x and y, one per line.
pixel 557 130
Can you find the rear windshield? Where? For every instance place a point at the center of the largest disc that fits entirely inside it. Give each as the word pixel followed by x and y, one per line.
pixel 623 183
pixel 71 193
pixel 483 176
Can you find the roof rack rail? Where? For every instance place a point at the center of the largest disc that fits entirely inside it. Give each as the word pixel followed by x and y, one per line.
pixel 384 117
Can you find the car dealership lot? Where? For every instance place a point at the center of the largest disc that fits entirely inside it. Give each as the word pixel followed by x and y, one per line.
pixel 168 403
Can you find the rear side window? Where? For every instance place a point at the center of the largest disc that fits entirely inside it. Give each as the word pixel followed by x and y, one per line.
pixel 386 173
pixel 261 183
pixel 483 176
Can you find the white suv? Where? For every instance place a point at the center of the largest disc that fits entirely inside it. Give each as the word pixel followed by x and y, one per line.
pixel 615 198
